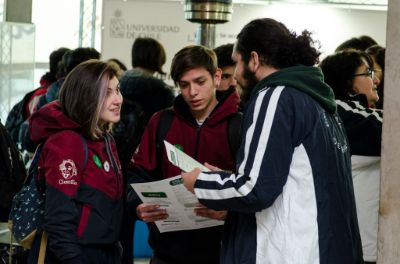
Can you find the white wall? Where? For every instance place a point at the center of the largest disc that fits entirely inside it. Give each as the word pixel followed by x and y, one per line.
pixel 57 25
pixel 123 21
pixel 17 44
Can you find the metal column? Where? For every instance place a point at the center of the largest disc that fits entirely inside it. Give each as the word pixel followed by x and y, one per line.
pixel 87 23
pixel 208 13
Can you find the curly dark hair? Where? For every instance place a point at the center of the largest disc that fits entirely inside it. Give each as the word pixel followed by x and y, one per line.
pixel 276 45
pixel 339 70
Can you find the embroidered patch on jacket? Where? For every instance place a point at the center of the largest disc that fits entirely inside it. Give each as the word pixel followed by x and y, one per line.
pixel 106 166
pixel 68 170
pixel 97 161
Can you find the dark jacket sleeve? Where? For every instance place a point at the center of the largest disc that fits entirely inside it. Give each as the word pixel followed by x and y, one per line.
pixel 269 127
pixel 363 128
pixel 62 165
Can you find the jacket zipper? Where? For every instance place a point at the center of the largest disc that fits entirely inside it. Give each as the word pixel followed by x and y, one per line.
pixel 114 164
pixel 196 149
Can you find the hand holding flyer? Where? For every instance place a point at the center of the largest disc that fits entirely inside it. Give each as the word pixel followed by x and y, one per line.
pixel 181 159
pixel 179 203
pixel 171 195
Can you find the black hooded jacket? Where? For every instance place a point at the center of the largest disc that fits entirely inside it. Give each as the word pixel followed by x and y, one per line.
pixel 143 96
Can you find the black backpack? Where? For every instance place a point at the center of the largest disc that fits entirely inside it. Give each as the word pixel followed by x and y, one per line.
pixel 27 211
pixel 16 117
pixel 12 172
pixel 234 131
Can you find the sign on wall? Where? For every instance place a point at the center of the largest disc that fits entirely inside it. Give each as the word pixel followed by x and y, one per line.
pixel 123 21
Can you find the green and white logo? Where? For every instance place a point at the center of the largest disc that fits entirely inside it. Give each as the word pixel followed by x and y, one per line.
pixel 97 161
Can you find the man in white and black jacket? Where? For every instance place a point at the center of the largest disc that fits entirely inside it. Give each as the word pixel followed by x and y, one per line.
pixel 291 198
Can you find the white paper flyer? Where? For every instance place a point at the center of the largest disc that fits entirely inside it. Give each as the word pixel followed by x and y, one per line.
pixel 181 159
pixel 172 195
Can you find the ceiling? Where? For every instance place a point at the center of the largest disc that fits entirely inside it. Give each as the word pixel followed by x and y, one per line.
pixel 351 2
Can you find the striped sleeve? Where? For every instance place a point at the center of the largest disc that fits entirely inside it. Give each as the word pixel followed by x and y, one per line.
pixel 362 125
pixel 263 159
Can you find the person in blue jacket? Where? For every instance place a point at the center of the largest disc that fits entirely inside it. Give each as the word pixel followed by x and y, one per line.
pixel 291 199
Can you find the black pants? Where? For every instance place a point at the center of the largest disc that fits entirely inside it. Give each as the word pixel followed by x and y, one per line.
pixel 91 254
pixel 126 237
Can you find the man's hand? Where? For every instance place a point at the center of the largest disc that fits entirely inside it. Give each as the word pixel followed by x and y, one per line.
pixel 151 212
pixel 211 167
pixel 189 178
pixel 201 210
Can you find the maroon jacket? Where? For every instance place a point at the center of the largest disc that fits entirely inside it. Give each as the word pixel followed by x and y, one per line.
pixel 206 143
pixel 83 202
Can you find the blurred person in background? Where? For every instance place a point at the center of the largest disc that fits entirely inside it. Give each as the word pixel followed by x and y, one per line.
pixel 358 43
pixel 377 54
pixel 351 75
pixel 24 108
pixel 143 95
pixel 227 65
pixel 69 60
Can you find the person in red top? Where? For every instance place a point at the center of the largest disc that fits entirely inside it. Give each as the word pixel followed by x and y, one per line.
pixel 200 127
pixel 46 80
pixel 83 206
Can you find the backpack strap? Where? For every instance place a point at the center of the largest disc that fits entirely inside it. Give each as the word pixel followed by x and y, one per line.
pixel 43 247
pixel 34 164
pixel 164 124
pixel 235 132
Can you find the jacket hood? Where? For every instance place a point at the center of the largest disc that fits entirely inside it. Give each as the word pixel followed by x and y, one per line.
pixel 309 80
pixel 147 92
pixel 228 104
pixel 49 120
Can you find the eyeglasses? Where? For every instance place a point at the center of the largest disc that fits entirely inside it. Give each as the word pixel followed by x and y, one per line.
pixel 370 73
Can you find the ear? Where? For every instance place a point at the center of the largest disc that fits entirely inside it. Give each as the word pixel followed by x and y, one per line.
pixel 353 88
pixel 254 61
pixel 217 77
